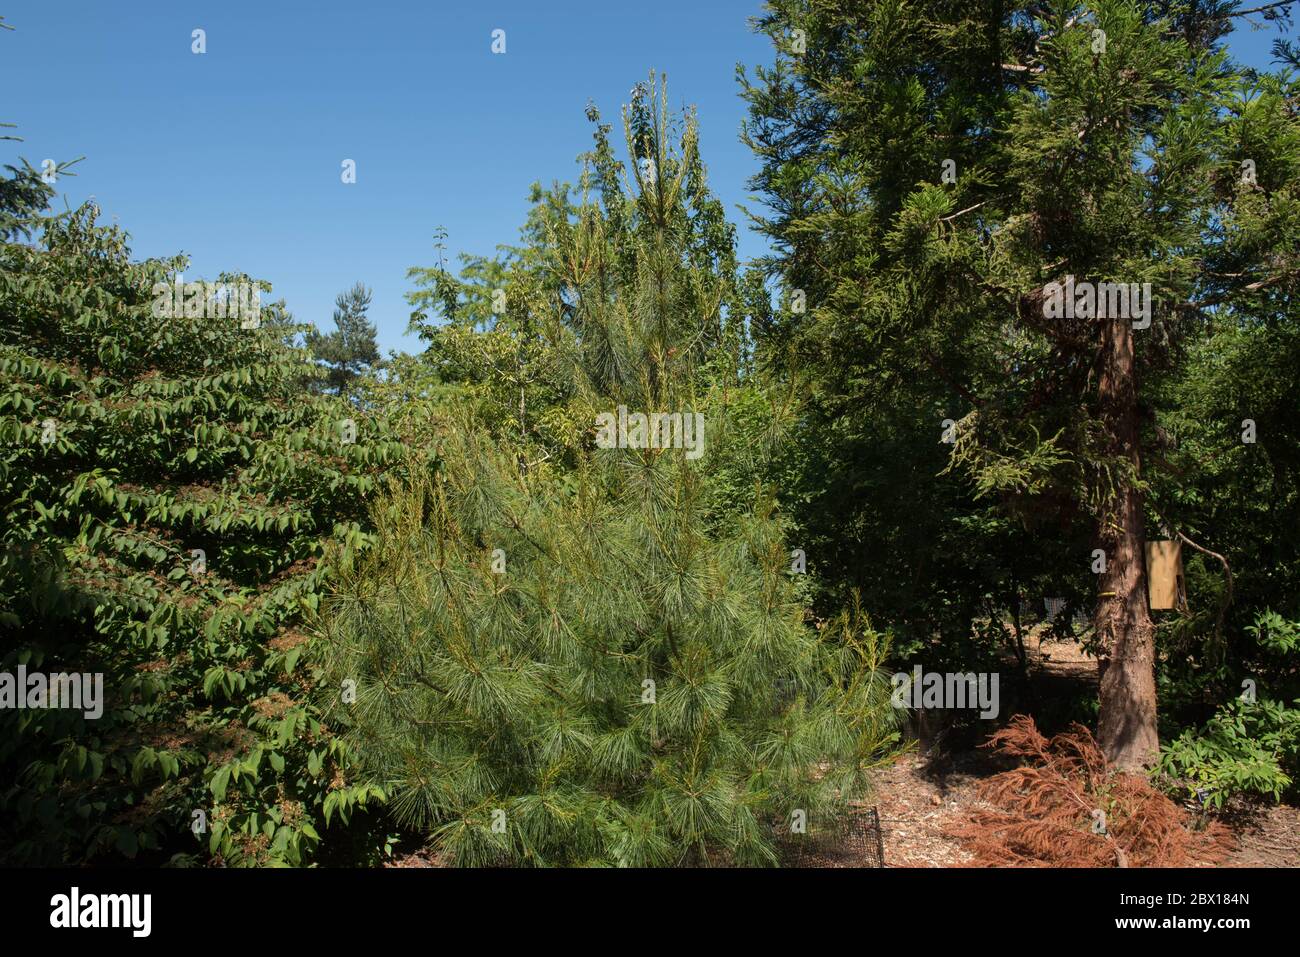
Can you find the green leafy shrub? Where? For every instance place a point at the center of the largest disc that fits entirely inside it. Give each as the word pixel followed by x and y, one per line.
pixel 1246 748
pixel 1252 744
pixel 167 490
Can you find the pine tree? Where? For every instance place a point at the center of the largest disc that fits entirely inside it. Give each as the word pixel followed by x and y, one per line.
pixel 349 350
pixel 597 663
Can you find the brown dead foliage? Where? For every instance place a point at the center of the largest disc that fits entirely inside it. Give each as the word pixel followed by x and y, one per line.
pixel 1043 813
pixel 287 641
pixel 273 705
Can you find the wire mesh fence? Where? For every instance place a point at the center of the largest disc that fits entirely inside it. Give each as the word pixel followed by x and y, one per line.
pixel 854 841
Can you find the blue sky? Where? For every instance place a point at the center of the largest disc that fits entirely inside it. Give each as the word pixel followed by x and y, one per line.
pixel 234 156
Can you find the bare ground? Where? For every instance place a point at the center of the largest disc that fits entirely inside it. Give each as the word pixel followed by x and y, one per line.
pixel 921 803
pixel 923 796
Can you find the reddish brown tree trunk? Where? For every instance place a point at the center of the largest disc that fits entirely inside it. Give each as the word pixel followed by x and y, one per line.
pixel 1126 728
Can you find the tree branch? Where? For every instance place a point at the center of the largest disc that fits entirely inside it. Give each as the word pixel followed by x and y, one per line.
pixel 1264 9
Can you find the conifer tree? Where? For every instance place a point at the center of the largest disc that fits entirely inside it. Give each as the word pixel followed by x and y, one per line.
pixel 348 351
pixel 933 170
pixel 595 663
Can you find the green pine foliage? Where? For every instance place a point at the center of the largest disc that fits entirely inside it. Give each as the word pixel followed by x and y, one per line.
pixel 335 598
pixel 348 351
pixel 602 664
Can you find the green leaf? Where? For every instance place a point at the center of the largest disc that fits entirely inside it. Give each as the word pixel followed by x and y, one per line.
pixel 127 842
pixel 220 781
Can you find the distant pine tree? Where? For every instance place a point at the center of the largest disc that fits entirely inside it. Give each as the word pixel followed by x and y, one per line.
pixel 349 351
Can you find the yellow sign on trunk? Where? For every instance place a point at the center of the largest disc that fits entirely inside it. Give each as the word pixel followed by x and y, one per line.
pixel 1165 575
